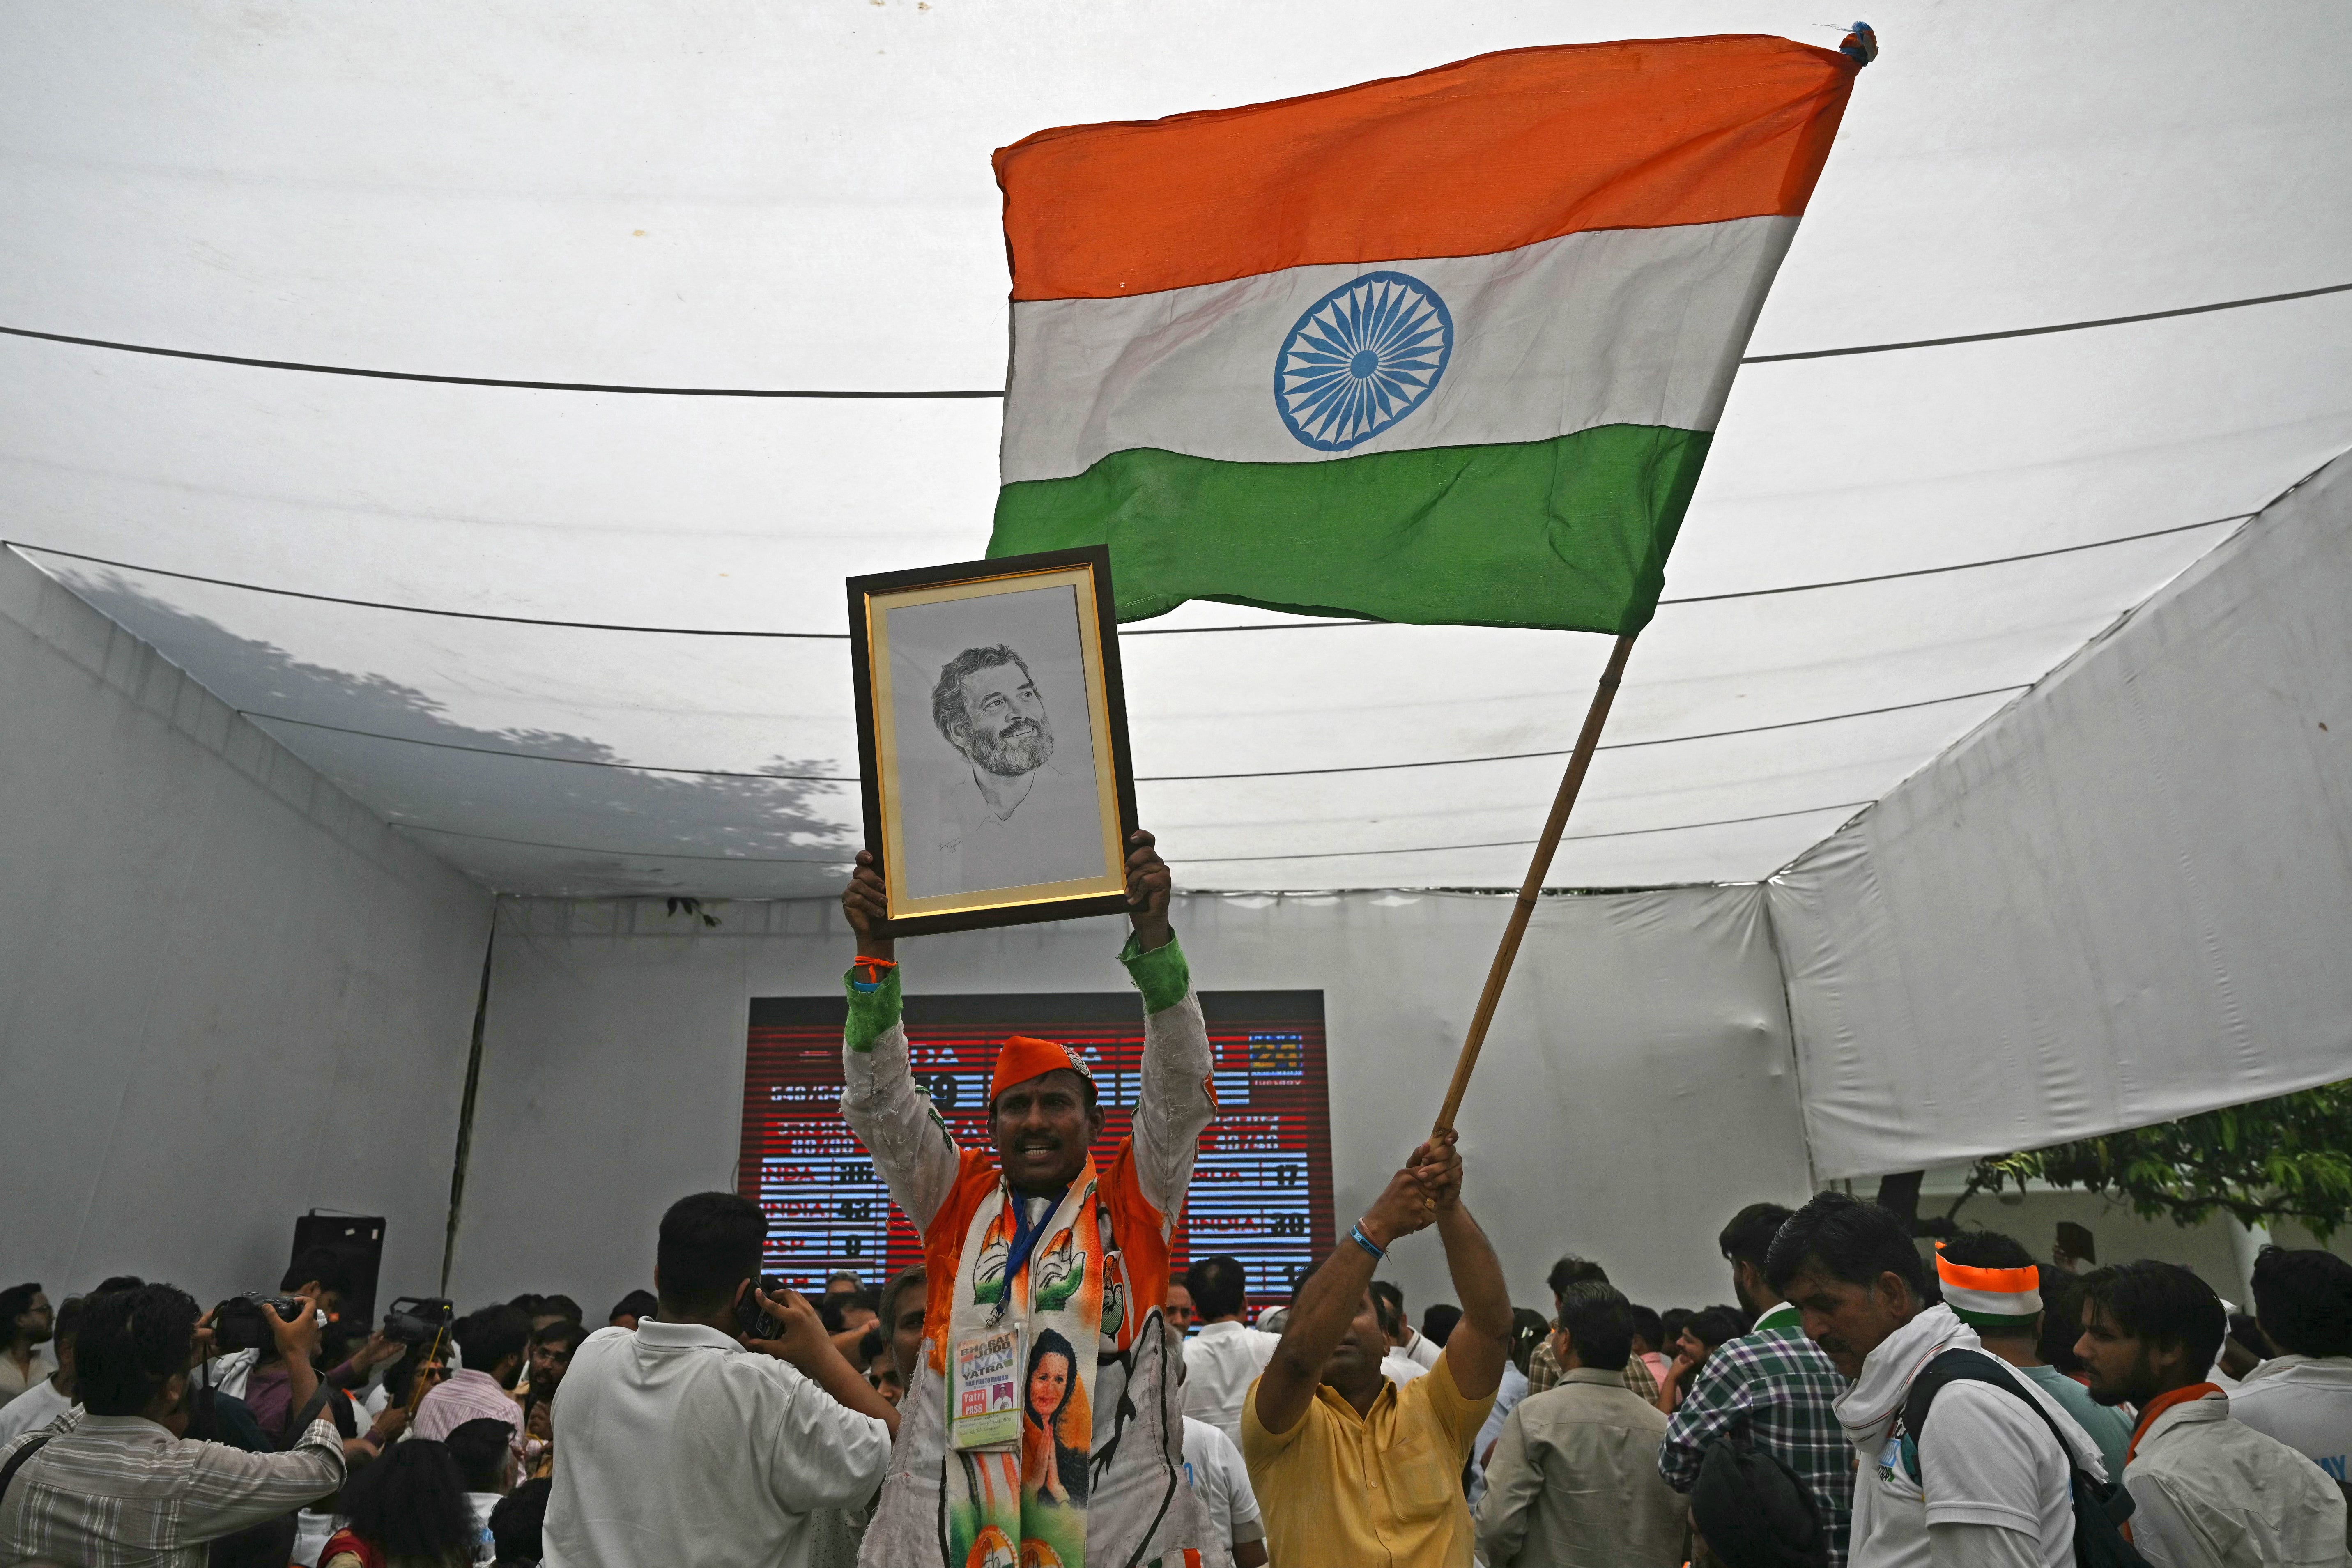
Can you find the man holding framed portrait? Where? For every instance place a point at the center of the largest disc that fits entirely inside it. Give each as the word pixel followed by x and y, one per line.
pixel 1045 1422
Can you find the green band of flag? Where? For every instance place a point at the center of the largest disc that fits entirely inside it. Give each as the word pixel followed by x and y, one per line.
pixel 1571 533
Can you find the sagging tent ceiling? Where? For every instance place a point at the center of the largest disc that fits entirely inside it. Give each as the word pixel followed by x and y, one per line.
pixel 799 197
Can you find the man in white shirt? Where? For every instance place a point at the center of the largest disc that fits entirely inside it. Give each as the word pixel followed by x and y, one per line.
pixel 1213 1465
pixel 54 1394
pixel 2302 1397
pixel 686 1442
pixel 25 1324
pixel 1410 1353
pixel 1400 1366
pixel 2208 1491
pixel 1224 1355
pixel 1986 1483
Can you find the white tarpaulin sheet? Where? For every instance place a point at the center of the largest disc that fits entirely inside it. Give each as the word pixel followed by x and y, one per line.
pixel 2124 900
pixel 798 198
pixel 1636 1089
pixel 227 992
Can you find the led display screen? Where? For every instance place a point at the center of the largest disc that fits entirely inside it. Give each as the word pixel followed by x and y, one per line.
pixel 1261 1187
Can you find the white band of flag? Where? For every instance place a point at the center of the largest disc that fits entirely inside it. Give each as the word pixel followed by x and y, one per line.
pixel 1632 326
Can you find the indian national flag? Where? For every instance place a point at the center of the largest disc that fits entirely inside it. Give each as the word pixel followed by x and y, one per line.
pixel 1446 348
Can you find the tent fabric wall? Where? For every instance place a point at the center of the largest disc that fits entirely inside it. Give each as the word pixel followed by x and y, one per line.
pixel 799 198
pixel 1636 1089
pixel 2122 900
pixel 228 993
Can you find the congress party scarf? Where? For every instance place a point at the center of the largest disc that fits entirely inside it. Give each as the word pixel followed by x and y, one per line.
pixel 1025 1507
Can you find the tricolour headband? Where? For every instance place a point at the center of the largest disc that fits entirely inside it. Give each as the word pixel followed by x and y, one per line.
pixel 1993 1292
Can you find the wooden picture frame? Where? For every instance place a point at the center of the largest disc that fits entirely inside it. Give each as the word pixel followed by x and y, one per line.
pixel 973 681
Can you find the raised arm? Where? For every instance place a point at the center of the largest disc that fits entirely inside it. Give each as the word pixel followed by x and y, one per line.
pixel 913 1152
pixel 1173 1103
pixel 1328 1302
pixel 1475 1361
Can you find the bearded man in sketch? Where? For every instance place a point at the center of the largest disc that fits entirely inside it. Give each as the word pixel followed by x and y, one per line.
pixel 1008 814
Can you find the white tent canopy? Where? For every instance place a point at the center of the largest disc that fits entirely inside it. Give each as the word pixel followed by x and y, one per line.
pixel 801 200
pixel 553 587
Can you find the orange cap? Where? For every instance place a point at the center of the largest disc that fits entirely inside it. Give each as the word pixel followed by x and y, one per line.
pixel 1023 1059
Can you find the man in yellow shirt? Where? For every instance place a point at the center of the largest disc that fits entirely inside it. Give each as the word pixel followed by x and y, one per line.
pixel 1349 1468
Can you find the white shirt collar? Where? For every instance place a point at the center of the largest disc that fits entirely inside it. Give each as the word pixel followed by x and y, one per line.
pixel 659 1335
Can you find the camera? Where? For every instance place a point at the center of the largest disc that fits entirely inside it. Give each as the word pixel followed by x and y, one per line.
pixel 240 1325
pixel 416 1319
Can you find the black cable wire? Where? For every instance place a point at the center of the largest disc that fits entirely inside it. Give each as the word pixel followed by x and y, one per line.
pixel 999 392
pixel 1524 842
pixel 1959 566
pixel 1605 746
pixel 1143 778
pixel 2040 332
pixel 540 756
pixel 19 545
pixel 843 859
pixel 418 609
pixel 481 380
pixel 1191 859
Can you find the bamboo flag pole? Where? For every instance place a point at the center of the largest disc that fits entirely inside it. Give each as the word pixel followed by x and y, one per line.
pixel 1532 888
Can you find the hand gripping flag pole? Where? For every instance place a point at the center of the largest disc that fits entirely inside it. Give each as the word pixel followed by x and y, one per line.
pixel 1532 888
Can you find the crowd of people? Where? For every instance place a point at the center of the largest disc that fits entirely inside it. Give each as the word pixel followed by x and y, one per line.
pixel 1044 1389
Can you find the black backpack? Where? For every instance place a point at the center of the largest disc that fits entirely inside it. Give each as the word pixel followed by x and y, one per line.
pixel 2100 1507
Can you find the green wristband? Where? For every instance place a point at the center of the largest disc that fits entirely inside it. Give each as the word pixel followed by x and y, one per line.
pixel 871 1013
pixel 1162 974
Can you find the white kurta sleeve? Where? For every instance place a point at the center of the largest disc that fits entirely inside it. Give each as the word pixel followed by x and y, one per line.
pixel 1174 1101
pixel 913 1151
pixel 826 1455
pixel 1982 1546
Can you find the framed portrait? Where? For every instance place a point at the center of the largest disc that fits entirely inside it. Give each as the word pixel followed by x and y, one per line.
pixel 991 737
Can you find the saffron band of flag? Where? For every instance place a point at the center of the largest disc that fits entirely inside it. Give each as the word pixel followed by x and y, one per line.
pixel 1449 347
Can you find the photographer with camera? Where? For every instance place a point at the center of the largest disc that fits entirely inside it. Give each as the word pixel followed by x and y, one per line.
pixel 120 1481
pixel 712 1433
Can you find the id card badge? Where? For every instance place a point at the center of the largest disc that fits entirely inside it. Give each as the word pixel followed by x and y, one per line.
pixel 984 1390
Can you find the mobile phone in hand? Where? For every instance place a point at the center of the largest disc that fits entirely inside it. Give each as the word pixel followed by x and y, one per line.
pixel 753 1321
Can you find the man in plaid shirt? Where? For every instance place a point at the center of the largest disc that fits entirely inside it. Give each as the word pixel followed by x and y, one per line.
pixel 1770 1389
pixel 119 1482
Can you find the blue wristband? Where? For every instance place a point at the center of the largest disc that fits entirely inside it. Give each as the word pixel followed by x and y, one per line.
pixel 1356 1234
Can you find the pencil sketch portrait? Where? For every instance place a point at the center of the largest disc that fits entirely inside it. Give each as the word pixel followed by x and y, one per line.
pixel 999 786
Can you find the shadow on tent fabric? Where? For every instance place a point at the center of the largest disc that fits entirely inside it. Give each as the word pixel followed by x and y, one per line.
pixel 793 833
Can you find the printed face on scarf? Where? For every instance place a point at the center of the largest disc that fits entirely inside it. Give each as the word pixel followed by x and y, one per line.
pixel 1049 1386
pixel 1847 1319
pixel 1043 1128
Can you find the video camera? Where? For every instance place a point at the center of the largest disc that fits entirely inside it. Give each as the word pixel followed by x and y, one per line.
pixel 416 1319
pixel 240 1325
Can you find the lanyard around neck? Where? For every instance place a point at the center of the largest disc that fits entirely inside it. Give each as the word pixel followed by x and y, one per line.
pixel 1026 1237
